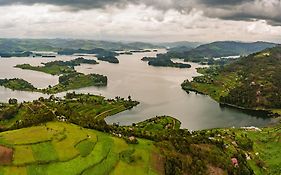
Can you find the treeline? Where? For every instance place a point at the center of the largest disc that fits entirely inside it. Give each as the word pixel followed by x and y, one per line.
pixel 101 54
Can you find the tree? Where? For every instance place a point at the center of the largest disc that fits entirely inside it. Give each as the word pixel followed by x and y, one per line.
pixel 13 101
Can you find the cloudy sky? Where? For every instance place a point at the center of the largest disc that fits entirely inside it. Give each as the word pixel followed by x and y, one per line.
pixel 142 20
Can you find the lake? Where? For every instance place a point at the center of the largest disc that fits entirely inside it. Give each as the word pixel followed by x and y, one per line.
pixel 156 88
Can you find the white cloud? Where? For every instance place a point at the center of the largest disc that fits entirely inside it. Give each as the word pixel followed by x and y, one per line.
pixel 135 22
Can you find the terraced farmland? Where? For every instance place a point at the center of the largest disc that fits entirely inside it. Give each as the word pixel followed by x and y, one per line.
pixel 61 148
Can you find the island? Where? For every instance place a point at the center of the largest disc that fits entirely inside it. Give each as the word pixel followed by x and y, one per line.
pixel 17 84
pixel 69 79
pixel 101 54
pixel 15 54
pixel 67 82
pixel 58 67
pixel 162 60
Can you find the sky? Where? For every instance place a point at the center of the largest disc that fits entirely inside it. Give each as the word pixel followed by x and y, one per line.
pixel 142 20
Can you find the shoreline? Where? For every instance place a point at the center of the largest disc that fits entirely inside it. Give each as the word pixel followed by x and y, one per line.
pixel 270 112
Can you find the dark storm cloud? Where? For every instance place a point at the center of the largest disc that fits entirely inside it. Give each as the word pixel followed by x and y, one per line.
pixel 224 2
pixel 75 4
pixel 244 10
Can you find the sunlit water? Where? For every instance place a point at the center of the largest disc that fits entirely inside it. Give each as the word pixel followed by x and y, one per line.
pixel 157 89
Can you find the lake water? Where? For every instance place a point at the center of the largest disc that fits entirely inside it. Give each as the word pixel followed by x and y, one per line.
pixel 157 89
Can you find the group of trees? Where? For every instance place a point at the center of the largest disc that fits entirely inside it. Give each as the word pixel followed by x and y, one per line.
pixel 164 60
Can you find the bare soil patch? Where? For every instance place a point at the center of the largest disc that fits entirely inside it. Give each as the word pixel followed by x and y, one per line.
pixel 158 162
pixel 6 155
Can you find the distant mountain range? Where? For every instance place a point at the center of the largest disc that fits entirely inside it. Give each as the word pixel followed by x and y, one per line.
pixel 185 44
pixel 21 45
pixel 185 50
pixel 221 49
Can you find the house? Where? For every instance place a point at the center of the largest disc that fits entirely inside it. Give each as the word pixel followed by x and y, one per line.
pixel 234 162
pixel 132 138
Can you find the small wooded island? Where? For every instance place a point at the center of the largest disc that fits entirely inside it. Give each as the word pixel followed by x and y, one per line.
pixel 162 60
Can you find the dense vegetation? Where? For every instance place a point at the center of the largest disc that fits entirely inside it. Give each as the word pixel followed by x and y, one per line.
pixel 15 54
pixel 250 82
pixel 67 82
pixel 17 84
pixel 76 80
pixel 84 110
pixel 162 60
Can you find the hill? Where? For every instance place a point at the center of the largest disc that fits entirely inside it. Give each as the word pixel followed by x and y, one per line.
pixel 250 82
pixel 21 47
pixel 226 48
pixel 208 53
pixel 186 44
pixel 63 148
pixel 60 148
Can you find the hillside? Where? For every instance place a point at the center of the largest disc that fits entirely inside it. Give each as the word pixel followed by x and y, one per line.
pixel 59 148
pixel 64 148
pixel 217 50
pixel 186 44
pixel 250 82
pixel 227 48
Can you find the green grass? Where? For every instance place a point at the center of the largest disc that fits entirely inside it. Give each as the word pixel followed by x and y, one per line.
pixel 35 135
pixel 44 152
pixel 23 155
pixel 267 144
pixel 105 167
pixel 85 147
pixel 69 149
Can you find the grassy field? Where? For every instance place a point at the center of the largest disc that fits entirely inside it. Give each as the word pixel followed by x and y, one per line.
pixel 61 148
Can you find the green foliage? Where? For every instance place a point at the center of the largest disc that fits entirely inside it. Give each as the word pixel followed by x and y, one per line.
pixel 44 152
pixel 75 81
pixel 58 67
pixel 84 110
pixel 251 82
pixel 163 60
pixel 127 156
pixel 17 84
